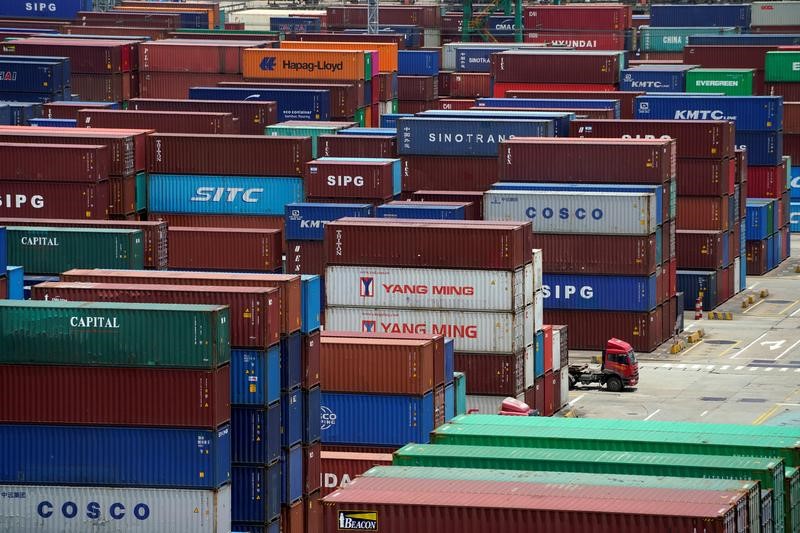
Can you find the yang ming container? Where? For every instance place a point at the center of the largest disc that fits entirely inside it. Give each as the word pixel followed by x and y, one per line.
pixel 72 509
pixel 751 113
pixel 612 293
pixel 95 455
pixel 250 250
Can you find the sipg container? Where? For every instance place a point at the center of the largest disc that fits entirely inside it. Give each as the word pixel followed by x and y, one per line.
pixel 54 200
pixel 361 179
pixel 161 121
pixel 613 293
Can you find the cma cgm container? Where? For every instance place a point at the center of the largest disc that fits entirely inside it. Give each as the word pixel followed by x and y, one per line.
pixel 293 104
pixel 54 250
pixel 54 200
pixel 751 113
pixel 251 250
pixel 139 510
pixel 255 313
pixel 85 455
pixel 113 334
pixel 414 243
pixel 612 293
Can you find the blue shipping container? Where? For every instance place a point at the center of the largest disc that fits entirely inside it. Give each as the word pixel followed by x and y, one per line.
pixel 94 455
pixel 475 59
pixel 794 218
pixel 21 111
pixel 295 24
pixel 599 293
pixel 726 249
pixel 291 355
pixel 501 26
pixel 463 136
pixel 764 148
pixel 751 113
pixel 311 291
pixel 390 119
pixel 222 195
pixel 771 252
pixel 256 434
pixel 538 355
pixel 16 283
pixel 51 9
pixel 376 419
pixel 65 70
pixel 560 119
pixel 449 359
pixel 794 184
pixel 291 418
pixel 312 401
pixel 757 219
pixel 654 80
pixel 3 251
pixel 30 76
pixel 418 62
pixel 293 104
pixel 677 15
pixel 256 493
pixel 256 376
pixel 425 212
pixel 745 39
pixel 53 122
pixel 538 103
pixel 292 474
pixel 449 402
pixel 692 282
pixel 306 221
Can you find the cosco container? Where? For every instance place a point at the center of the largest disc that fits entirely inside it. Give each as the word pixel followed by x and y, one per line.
pixel 703 15
pixel 751 113
pixel 112 334
pixel 473 331
pixel 293 104
pixel 255 376
pixel 612 293
pixel 69 509
pixel 94 455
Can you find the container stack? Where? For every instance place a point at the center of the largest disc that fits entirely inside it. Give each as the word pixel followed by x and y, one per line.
pixel 667 43
pixel 580 26
pixel 427 17
pixel 417 81
pixel 34 79
pixel 4 283
pixel 312 129
pixel 103 408
pixel 767 241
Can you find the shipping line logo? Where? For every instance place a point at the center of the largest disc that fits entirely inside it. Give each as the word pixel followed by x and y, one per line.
pixel 8 75
pixel 270 63
pixel 369 326
pixel 358 521
pixel 366 287
pixel 327 418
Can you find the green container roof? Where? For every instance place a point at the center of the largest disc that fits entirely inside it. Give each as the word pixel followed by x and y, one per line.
pixel 110 306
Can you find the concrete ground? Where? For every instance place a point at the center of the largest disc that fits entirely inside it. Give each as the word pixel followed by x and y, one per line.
pixel 743 371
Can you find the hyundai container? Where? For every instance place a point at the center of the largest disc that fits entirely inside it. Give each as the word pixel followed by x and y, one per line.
pixel 293 104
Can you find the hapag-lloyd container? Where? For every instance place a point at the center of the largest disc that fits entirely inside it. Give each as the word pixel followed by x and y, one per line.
pixel 308 64
pixel 613 293
pixel 473 331
pixel 123 456
pixel 575 212
pixel 71 509
pixel 293 104
pixel 253 116
pixel 66 163
pixel 55 200
pixel 650 161
pixel 255 312
pixel 387 52
pixel 751 113
pixel 414 243
pixel 552 66
pixel 246 249
pixel 352 178
pixel 431 288
pixel 463 136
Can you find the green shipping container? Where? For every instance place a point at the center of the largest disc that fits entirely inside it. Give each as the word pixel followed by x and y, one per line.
pixel 361 117
pixel 141 191
pixel 782 66
pixel 460 385
pixel 792 489
pixel 673 39
pixel 730 82
pixel 55 250
pixel 302 129
pixel 114 334
pixel 395 105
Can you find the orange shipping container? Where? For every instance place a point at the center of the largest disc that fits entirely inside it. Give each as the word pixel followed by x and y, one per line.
pixel 387 52
pixel 278 64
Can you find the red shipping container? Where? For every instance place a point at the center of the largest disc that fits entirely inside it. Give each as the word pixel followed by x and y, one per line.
pixel 154 34
pixel 740 155
pixel 385 90
pixel 523 66
pixel 345 97
pixel 549 397
pixel 161 121
pixel 791 117
pixel 414 243
pixel 228 154
pixel 444 83
pixel 3 287
pixel 438 406
pixel 312 467
pixel 54 200
pixel 375 365
pixel 313 512
pixel 789 91
pixel 219 221
pixel 633 255
pixel 253 116
pixel 492 374
pixel 422 88
pixel 703 213
pixel 340 468
pixel 69 110
pixel 475 211
pixel 185 55
pixel 449 104
pixel 700 250
pixel 735 236
pixel 124 19
pixel 448 173
pixel 578 17
pixel 535 396
pixel 82 163
pixel 305 257
pixel 225 249
pixel 123 192
pixel 577 39
pixel 719 56
pixel 165 397
pixel 705 177
pixel 589 330
pixel 288 286
pixel 548 347
pixel 470 85
pixel 102 87
pixel 558 401
pixel 350 179
pixel 255 312
pixel 177 84
pixel 292 518
pixel 767 182
pixel 375 146
pixel 571 160
pixel 582 113
pixel 396 38
pixel 704 139
pixel 311 360
pixel 791 145
pixel 756 256
pixel 91 56
pixel 414 106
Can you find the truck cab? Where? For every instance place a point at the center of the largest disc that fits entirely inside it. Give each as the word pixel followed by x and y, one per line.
pixel 619 360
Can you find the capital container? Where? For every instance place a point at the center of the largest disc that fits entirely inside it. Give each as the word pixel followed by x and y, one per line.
pixel 414 243
pixel 349 178
pixel 448 173
pixel 703 213
pixel 430 288
pixel 234 249
pixel 54 200
pixel 31 508
pixel 340 468
pixel 400 503
pixel 673 39
pixel 253 116
pixel 255 434
pixel 593 292
pixel 724 15
pixel 161 121
pixel 732 82
pixel 121 456
pixel 642 328
pixel 306 221
pixel 473 331
pixel 256 493
pixel 751 113
pixel 543 66
pixel 307 63
pixel 462 136
pixel 255 313
pixel 380 146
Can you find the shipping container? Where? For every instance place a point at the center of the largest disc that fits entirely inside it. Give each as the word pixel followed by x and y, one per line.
pixel 619 254
pixel 182 55
pixel 732 82
pixel 577 17
pixel 655 79
pixel 305 257
pixel 255 376
pixel 311 64
pixel 387 54
pixel 340 468
pixel 592 292
pixel 380 146
pixel 306 221
pixel 235 249
pixel 345 97
pixel 255 434
pixel 422 210
pixel 715 15
pixel 581 39
pixel 698 249
pixel 448 173
pixel 546 66
pixel 751 113
pixel 703 213
pixel 591 329
pixel 253 116
pixel 496 374
pixel 312 400
pixel 161 121
pixel 673 39
pixel 763 147
pixel 352 178
pixel 91 56
pixel 54 200
pixel 256 493
pixel 474 199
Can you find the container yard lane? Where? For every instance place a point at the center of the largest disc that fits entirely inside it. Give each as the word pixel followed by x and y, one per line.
pixel 743 371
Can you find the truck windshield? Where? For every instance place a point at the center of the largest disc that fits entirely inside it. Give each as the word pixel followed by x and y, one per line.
pixel 631 357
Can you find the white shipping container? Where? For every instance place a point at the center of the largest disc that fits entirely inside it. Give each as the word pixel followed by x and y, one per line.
pixel 564 386
pixel 432 37
pixel 429 288
pixel 473 331
pixel 537 269
pixel 597 213
pixel 538 311
pixel 530 376
pixel 259 19
pixel 62 509
pixel 737 276
pixel 775 14
pixel 556 336
pixel 449 50
pixel 488 405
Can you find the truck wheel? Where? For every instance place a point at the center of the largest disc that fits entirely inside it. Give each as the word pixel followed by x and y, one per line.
pixel 614 384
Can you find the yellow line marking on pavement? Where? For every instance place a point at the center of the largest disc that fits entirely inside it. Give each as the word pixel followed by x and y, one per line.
pixel 782 311
pixel 695 345
pixel 729 348
pixel 752 307
pixel 765 416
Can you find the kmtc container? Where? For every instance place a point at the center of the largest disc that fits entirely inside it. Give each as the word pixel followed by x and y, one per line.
pixel 222 195
pixel 253 116
pixel 473 331
pixel 293 104
pixel 28 508
pixel 546 66
pixel 669 39
pixel 53 250
pixel 463 136
pixel 650 161
pixel 87 455
pixel 227 154
pixel 306 221
pixel 282 64
pixel 352 178
pixel 731 82
pixel 751 113
pixel 612 293
pixel 576 212
pixel 255 313
pixel 719 15
pixel 161 121
pixel 77 163
pixel 430 288
pixel 414 243
pixel 783 66
pixel 655 78
pixel 112 334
